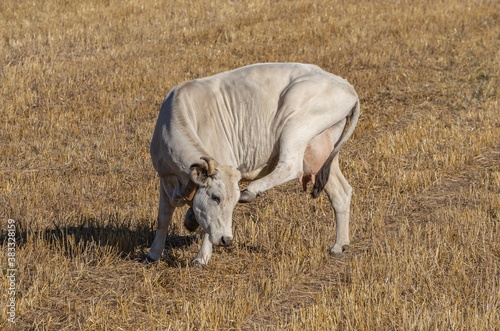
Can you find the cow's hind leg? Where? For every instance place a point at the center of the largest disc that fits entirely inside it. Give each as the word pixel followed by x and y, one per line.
pixel 165 212
pixel 339 192
pixel 328 107
pixel 289 167
pixel 292 145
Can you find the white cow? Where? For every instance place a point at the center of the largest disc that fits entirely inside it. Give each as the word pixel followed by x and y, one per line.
pixel 264 123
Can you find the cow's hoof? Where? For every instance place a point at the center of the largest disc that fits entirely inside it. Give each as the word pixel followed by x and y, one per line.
pixel 337 249
pixel 247 196
pixel 190 222
pixel 148 260
pixel 197 264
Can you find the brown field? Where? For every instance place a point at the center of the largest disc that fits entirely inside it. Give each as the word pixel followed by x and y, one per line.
pixel 81 86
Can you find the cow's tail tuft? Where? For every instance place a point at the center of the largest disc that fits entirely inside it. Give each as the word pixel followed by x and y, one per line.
pixel 324 172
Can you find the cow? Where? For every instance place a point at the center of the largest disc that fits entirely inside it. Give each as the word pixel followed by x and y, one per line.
pixel 266 124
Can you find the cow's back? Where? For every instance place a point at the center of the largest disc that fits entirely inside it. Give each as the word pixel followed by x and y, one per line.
pixel 236 117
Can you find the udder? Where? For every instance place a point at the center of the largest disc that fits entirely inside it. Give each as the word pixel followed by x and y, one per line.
pixel 316 154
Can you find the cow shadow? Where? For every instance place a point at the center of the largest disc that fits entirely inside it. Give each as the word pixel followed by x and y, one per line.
pixel 129 240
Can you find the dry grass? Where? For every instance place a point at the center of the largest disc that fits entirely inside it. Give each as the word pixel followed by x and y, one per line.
pixel 81 85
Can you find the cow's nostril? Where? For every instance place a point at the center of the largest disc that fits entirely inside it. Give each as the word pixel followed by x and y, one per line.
pixel 226 240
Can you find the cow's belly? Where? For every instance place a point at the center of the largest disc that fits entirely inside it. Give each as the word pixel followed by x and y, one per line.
pixel 316 154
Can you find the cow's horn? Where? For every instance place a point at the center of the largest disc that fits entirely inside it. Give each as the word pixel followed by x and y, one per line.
pixel 210 164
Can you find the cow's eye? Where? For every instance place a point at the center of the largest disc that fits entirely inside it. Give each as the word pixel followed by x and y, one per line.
pixel 215 198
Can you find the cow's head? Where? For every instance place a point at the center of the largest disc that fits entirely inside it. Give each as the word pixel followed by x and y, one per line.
pixel 216 196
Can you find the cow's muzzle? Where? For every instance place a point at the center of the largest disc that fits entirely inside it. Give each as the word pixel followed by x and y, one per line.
pixel 226 241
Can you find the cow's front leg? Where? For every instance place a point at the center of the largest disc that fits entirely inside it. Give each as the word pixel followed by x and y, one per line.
pixel 205 252
pixel 165 212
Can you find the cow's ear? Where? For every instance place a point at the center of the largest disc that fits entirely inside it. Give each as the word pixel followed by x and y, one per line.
pixel 202 173
pixel 199 175
pixel 210 166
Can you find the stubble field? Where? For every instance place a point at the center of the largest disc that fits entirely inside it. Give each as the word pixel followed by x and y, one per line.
pixel 81 86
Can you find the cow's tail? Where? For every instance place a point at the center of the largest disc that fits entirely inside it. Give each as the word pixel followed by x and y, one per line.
pixel 324 172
